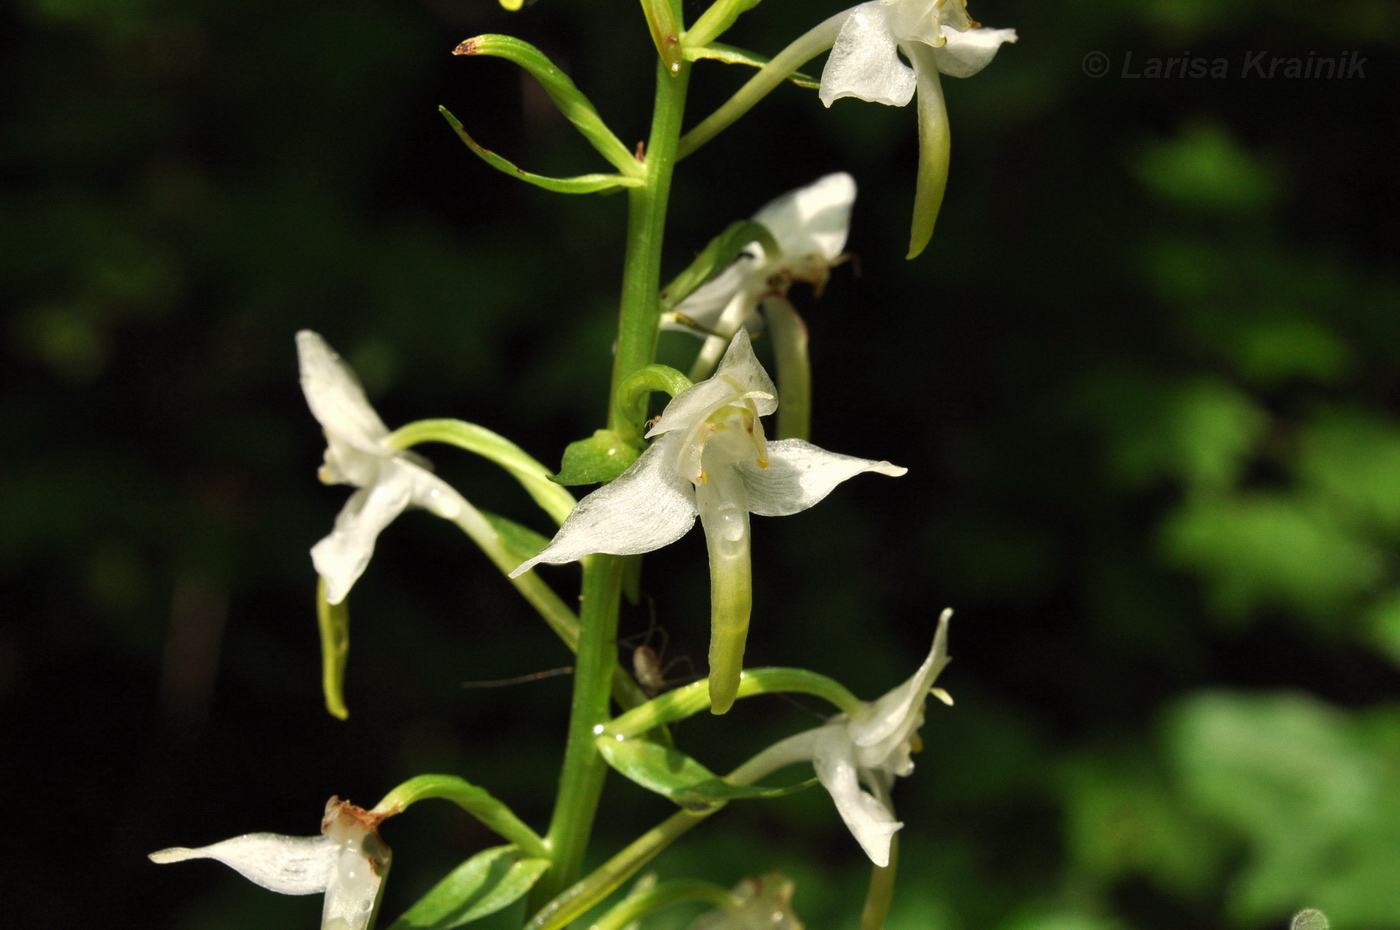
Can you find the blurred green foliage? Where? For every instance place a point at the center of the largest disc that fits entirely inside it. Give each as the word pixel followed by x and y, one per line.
pixel 1146 380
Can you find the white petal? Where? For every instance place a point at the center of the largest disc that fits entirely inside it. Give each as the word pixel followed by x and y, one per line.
pixel 708 302
pixel 924 20
pixel 739 374
pixel 870 822
pixel 342 556
pixel 800 474
pixel 812 220
pixel 285 864
pixel 336 398
pixel 890 722
pixel 966 53
pixel 646 507
pixel 864 62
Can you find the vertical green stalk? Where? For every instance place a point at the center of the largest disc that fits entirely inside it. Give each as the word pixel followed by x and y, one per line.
pixel 581 781
pixel 640 314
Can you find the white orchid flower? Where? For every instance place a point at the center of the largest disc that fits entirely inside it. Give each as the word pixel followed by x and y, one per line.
pixel 809 225
pixel 937 36
pixel 348 862
pixel 762 904
pixel 388 480
pixel 867 748
pixel 712 460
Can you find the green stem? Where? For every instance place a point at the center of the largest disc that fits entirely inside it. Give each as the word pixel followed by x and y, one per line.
pixel 881 891
pixel 610 876
pixel 640 312
pixel 638 905
pixel 581 781
pixel 804 49
pixel 693 698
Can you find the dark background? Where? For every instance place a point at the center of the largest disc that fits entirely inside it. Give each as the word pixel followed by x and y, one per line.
pixel 1146 380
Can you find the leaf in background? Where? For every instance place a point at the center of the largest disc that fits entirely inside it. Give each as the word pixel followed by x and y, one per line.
pixel 1314 791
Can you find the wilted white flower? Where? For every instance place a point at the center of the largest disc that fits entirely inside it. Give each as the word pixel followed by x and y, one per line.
pixel 356 454
pixel 763 904
pixel 711 460
pixel 937 36
pixel 867 748
pixel 348 862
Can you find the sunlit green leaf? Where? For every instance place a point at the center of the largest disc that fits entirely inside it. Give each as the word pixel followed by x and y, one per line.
pixel 484 884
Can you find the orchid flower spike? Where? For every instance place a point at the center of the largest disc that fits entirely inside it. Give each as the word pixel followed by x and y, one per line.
pixel 348 862
pixel 936 36
pixel 710 459
pixel 763 904
pixel 809 225
pixel 867 748
pixel 356 454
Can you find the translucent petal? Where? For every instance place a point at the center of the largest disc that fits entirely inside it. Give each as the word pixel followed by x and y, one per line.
pixel 285 864
pixel 362 863
pixel 965 53
pixel 864 61
pixel 812 220
pixel 870 822
pixel 708 302
pixel 646 507
pixel 800 474
pixel 889 723
pixel 342 556
pixel 335 397
pixel 739 373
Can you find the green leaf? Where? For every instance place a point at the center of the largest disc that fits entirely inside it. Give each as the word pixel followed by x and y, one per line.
pixel 601 457
pixel 583 184
pixel 334 623
pixel 676 775
pixel 520 541
pixel 722 250
pixel 571 101
pixel 484 884
pixel 733 55
pixel 477 801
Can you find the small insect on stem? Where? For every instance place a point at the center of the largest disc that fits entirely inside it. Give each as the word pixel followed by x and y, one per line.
pixel 520 679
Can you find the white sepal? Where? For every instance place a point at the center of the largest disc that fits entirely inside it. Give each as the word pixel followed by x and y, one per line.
pixel 389 481
pixel 800 474
pixel 648 506
pixel 870 822
pixel 284 864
